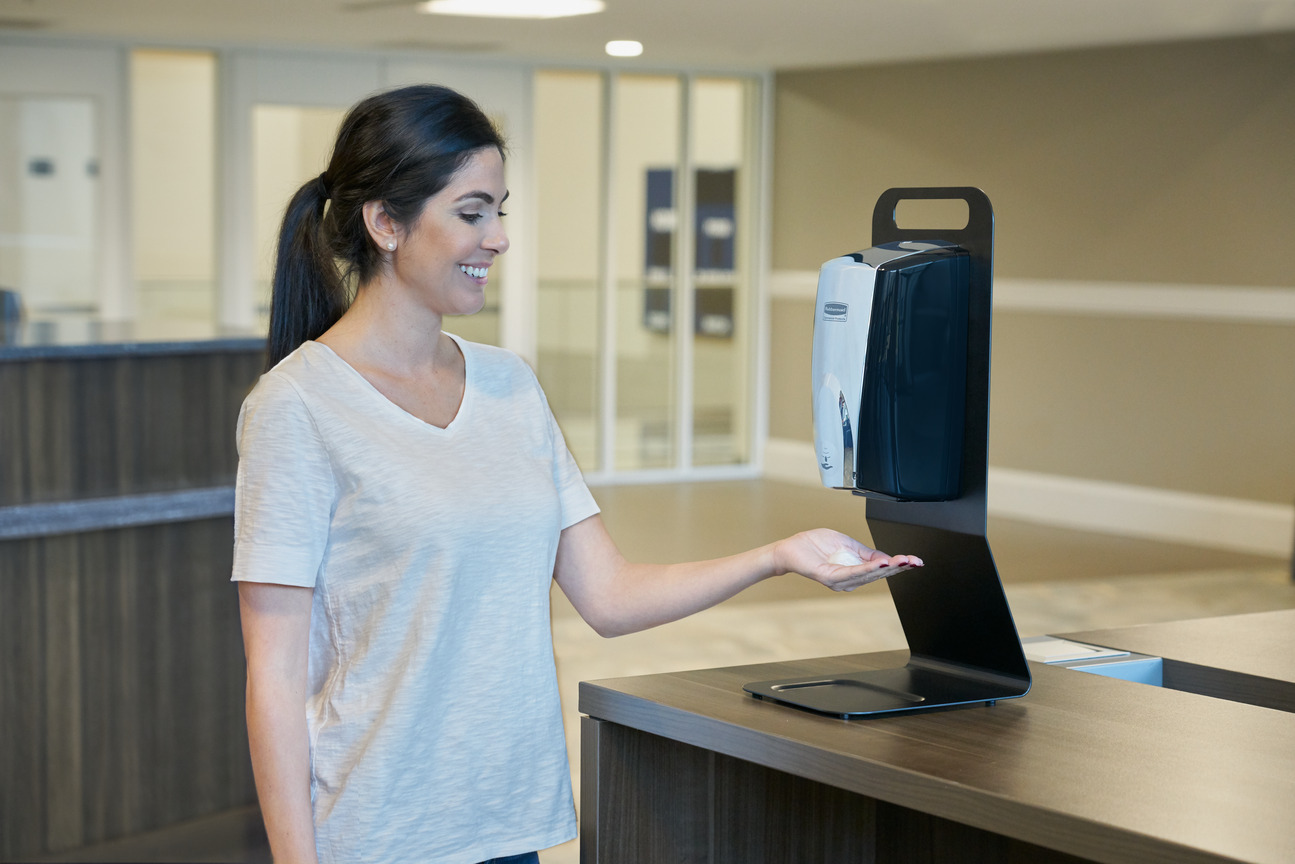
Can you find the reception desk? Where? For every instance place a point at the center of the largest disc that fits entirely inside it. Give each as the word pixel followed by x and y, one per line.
pixel 121 661
pixel 686 767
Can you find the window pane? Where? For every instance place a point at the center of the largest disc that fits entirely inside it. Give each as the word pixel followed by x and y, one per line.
pixel 568 147
pixel 646 159
pixel 722 360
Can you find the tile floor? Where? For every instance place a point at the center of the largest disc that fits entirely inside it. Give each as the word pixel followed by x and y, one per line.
pixel 1056 581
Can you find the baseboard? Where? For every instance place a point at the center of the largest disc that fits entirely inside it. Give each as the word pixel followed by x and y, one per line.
pixel 1207 521
pixel 1138 511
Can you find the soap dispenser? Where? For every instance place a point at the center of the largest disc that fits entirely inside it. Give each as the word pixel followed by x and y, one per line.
pixel 889 370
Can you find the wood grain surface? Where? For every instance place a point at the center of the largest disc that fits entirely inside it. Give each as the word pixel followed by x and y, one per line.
pixel 122 685
pixel 1091 767
pixel 73 428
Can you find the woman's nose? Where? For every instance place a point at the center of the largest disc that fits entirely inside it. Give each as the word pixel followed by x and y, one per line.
pixel 497 241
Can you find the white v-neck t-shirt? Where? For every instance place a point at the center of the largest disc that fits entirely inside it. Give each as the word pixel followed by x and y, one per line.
pixel 432 703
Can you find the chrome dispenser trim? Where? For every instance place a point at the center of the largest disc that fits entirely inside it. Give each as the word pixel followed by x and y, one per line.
pixel 847 453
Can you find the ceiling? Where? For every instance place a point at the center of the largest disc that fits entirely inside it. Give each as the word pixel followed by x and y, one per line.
pixel 702 34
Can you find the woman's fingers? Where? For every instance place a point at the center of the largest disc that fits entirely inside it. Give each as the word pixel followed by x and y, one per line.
pixel 872 571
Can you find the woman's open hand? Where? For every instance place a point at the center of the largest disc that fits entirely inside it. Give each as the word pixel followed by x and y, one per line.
pixel 837 560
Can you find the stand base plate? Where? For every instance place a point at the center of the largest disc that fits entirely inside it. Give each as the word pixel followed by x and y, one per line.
pixel 883 691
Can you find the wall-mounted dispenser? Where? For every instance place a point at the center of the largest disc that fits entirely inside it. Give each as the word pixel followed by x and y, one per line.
pixel 890 372
pixel 901 416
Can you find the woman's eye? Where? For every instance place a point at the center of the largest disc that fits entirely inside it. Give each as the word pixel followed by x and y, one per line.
pixel 470 218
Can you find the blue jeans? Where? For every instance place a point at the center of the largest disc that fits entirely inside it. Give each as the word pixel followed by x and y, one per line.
pixel 528 858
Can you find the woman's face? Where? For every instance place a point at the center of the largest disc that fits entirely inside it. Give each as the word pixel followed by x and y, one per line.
pixel 445 255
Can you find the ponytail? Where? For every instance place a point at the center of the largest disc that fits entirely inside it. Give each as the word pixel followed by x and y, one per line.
pixel 399 147
pixel 308 294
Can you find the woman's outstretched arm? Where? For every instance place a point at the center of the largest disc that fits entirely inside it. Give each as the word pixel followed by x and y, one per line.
pixel 276 638
pixel 617 597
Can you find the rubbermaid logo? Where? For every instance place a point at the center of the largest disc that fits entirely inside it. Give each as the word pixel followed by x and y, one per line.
pixel 835 311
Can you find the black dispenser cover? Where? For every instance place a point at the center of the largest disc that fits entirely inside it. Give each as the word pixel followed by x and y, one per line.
pixel 915 378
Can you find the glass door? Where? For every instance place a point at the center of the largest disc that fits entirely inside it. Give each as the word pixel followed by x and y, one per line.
pixel 646 155
pixel 64 206
pixel 649 206
pixel 49 201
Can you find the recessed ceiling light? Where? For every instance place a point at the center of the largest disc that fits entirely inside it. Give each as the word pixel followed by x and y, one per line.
pixel 624 48
pixel 512 8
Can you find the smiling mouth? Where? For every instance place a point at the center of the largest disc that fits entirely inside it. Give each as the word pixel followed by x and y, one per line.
pixel 475 272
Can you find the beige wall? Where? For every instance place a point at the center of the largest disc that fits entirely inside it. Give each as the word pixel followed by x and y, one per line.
pixel 1155 164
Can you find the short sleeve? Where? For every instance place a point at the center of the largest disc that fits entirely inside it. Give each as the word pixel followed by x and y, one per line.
pixel 284 495
pixel 574 496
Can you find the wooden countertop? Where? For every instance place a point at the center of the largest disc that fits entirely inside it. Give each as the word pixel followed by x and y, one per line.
pixel 1105 769
pixel 1244 658
pixel 1260 643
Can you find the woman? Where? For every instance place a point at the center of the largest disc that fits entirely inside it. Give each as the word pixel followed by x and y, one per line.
pixel 404 500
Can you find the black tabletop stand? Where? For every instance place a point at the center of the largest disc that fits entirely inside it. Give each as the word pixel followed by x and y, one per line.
pixel 963 644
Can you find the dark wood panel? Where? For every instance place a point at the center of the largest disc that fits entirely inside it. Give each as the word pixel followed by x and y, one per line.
pixel 75 428
pixel 657 794
pixel 61 732
pixel 122 679
pixel 767 816
pixel 646 798
pixel 22 695
pixel 912 837
pixel 650 799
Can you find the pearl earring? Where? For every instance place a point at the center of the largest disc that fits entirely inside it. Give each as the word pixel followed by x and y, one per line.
pixel 391 245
